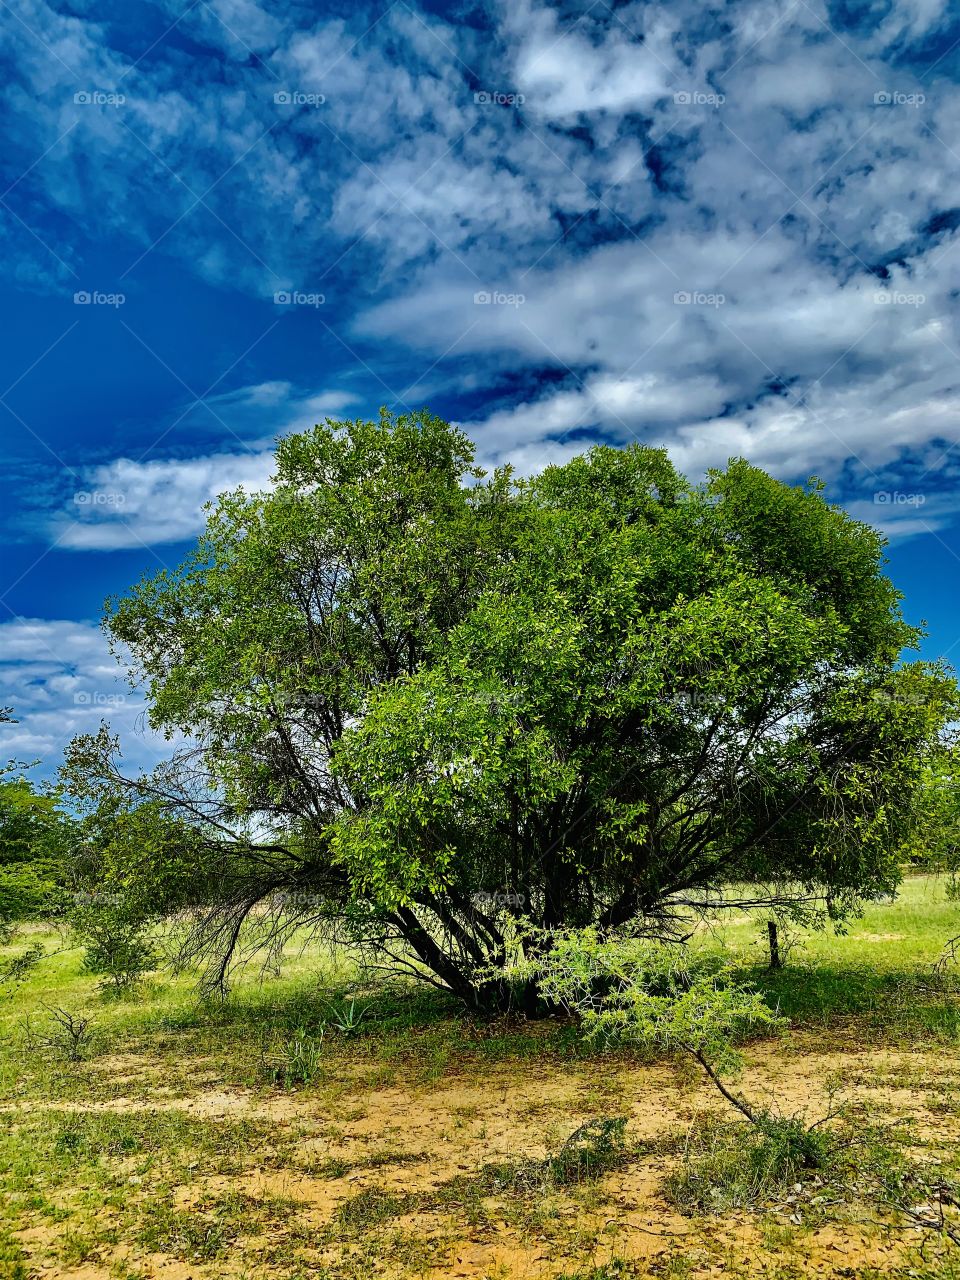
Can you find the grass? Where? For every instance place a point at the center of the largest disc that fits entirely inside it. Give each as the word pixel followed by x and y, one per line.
pixel 212 1226
pixel 732 1166
pixel 880 969
pixel 313 1125
pixel 880 973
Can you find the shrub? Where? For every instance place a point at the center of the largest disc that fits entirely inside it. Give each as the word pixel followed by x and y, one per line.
pixel 590 1151
pixel 116 946
pixel 732 1165
pixel 67 1034
pixel 630 989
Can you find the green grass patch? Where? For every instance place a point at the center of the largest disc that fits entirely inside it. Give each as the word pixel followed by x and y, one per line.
pixel 206 1230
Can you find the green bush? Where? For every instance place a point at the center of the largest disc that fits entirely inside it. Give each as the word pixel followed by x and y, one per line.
pixel 733 1165
pixel 116 945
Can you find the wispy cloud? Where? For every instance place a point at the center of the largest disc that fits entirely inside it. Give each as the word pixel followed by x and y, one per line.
pixel 718 236
pixel 61 680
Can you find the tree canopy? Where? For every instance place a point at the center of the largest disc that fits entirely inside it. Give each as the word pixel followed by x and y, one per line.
pixel 35 836
pixel 421 701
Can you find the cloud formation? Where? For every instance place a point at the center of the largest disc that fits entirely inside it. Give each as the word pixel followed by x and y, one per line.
pixel 731 229
pixel 61 680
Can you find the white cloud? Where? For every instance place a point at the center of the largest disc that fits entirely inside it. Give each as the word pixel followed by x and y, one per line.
pixel 129 503
pixel 599 198
pixel 149 502
pixel 61 680
pixel 563 73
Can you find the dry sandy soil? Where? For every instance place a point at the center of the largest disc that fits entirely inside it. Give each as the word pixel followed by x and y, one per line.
pixel 415 1149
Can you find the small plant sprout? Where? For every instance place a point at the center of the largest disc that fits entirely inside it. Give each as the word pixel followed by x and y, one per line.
pixel 346 1017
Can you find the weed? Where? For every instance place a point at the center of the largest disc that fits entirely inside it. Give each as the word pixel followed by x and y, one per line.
pixel 615 1269
pixel 77 1247
pixel 13 1260
pixel 206 1230
pixel 295 1060
pixel 732 1165
pixel 371 1207
pixel 186 1233
pixel 590 1151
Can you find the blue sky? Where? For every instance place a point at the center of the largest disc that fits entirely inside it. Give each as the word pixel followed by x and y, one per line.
pixel 730 229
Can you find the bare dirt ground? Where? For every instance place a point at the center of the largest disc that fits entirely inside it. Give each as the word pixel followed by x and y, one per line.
pixel 361 1179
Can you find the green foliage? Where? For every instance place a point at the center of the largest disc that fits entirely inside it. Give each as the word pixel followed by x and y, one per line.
pixel 35 836
pixel 134 854
pixel 781 1160
pixel 628 989
pixel 595 1148
pixel 15 969
pixel 207 1230
pixel 346 1017
pixel 732 1166
pixel 935 845
pixel 294 1060
pixel 592 1150
pixel 371 1207
pixel 116 944
pixel 428 701
pixel 642 992
pixel 615 1269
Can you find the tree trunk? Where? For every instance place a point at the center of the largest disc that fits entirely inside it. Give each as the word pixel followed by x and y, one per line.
pixel 775 960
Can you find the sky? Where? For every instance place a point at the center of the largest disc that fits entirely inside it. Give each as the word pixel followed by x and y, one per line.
pixel 726 229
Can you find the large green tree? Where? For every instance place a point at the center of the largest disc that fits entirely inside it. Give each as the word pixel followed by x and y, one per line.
pixel 421 701
pixel 35 842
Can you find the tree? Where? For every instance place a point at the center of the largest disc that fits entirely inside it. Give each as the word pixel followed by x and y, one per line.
pixel 936 843
pixel 422 701
pixel 34 843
